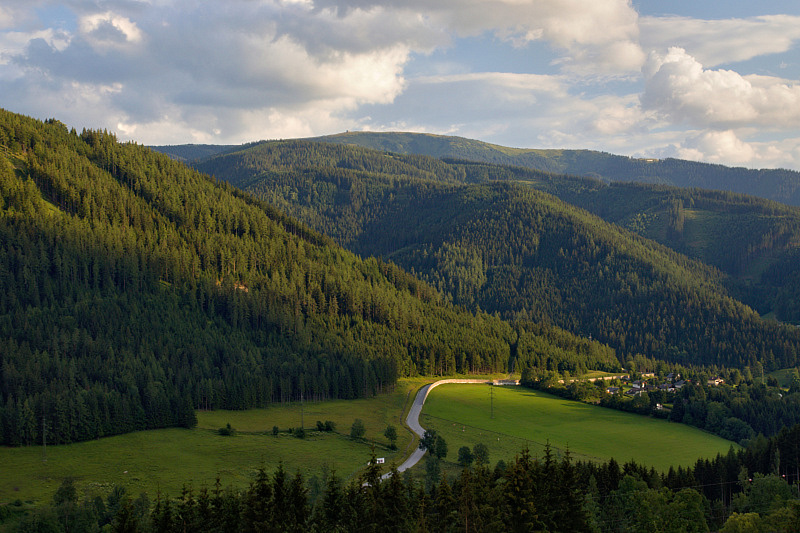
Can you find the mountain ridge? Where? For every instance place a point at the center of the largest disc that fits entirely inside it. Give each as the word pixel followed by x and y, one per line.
pixel 779 185
pixel 774 184
pixel 504 247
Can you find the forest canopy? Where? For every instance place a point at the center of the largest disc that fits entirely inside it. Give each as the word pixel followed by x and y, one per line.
pixel 134 290
pixel 493 238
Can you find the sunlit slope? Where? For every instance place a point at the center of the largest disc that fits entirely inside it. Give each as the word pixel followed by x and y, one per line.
pixel 495 243
pixel 134 290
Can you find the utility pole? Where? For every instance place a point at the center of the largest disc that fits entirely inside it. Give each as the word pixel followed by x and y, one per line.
pixel 491 400
pixel 44 440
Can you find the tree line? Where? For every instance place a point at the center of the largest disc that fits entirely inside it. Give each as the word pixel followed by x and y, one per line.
pixel 753 489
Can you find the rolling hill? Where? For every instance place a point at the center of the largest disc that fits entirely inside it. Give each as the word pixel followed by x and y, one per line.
pixel 134 290
pixel 779 185
pixel 505 247
pixel 752 240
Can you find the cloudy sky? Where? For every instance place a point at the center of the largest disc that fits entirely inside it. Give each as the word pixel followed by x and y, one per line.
pixel 696 79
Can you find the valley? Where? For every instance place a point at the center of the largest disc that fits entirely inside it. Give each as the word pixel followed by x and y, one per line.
pixel 302 266
pixel 177 457
pixel 162 325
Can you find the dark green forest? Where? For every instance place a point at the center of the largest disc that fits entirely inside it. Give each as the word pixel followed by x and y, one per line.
pixel 482 235
pixel 134 290
pixel 751 240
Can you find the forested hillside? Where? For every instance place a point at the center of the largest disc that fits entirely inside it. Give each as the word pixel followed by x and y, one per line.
pixel 779 184
pixel 134 290
pixel 507 248
pixel 753 241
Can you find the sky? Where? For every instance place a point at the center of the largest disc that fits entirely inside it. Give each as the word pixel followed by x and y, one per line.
pixel 702 80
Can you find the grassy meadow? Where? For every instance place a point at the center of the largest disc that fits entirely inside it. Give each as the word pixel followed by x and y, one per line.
pixel 166 459
pixel 524 417
pixel 784 376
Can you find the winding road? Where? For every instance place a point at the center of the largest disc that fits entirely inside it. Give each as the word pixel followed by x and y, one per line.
pixel 412 420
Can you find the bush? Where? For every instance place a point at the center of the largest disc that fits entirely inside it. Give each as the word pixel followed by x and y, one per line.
pixel 440 448
pixel 465 456
pixel 227 431
pixel 391 434
pixel 433 443
pixel 326 426
pixel 481 453
pixel 357 430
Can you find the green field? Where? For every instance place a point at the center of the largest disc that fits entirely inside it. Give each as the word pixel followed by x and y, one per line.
pixel 784 376
pixel 524 417
pixel 166 459
pixel 592 374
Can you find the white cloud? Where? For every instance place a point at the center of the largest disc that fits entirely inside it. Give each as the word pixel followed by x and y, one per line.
pixel 595 37
pixel 6 18
pixel 297 66
pixel 168 71
pixel 728 148
pixel 522 110
pixel 13 44
pixel 248 70
pixel 716 147
pixel 679 88
pixel 618 116
pixel 14 13
pixel 108 29
pixel 541 111
pixel 714 42
pixel 524 84
pixel 266 69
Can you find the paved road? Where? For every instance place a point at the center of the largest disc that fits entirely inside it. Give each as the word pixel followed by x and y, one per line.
pixel 412 420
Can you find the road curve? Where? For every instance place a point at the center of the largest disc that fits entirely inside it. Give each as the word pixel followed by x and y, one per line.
pixel 412 420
